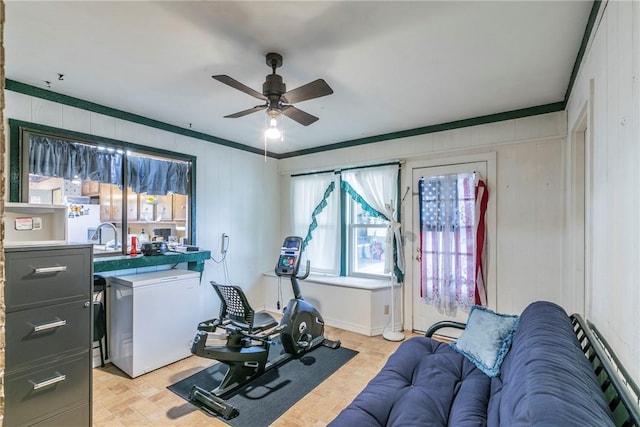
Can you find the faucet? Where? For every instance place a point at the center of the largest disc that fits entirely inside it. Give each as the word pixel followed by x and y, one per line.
pixel 96 234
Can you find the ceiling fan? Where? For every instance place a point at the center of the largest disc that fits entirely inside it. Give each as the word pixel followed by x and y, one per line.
pixel 274 92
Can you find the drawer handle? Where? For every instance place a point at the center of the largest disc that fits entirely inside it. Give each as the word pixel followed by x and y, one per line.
pixel 46 270
pixel 50 325
pixel 49 382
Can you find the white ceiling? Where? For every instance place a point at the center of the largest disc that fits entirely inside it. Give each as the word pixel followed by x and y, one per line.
pixel 393 65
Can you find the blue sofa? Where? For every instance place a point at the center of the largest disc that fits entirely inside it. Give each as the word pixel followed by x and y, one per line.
pixel 545 380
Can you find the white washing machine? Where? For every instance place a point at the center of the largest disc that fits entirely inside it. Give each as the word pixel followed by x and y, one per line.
pixel 153 318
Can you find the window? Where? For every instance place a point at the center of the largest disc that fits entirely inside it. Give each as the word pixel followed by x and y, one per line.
pixel 366 243
pixel 113 190
pixel 346 230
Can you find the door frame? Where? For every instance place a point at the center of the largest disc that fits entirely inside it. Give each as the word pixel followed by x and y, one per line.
pixel 578 247
pixel 411 236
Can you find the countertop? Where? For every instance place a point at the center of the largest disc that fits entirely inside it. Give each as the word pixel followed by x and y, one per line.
pixel 195 261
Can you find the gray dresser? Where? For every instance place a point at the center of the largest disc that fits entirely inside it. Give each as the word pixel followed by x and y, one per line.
pixel 48 335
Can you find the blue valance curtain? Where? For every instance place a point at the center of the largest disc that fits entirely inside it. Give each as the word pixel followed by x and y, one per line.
pixel 74 160
pixel 157 177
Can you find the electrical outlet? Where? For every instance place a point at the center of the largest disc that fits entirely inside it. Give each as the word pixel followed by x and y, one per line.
pixel 386 309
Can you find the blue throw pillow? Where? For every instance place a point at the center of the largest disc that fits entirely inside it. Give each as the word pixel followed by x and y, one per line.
pixel 487 338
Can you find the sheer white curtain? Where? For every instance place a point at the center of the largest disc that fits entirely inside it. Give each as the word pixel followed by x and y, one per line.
pixel 452 209
pixel 378 188
pixel 315 216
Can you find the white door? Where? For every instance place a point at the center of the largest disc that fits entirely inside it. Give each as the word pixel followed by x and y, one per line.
pixel 425 315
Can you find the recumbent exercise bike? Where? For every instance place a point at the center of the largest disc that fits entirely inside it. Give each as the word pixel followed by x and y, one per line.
pixel 248 335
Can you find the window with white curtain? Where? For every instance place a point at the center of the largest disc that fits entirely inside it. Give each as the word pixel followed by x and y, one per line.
pixel 368 219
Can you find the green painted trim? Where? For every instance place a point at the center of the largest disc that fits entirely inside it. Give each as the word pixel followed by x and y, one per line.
pixel 14 163
pixel 192 218
pixel 93 107
pixel 595 8
pixel 195 261
pixel 343 230
pixel 491 118
pixel 37 92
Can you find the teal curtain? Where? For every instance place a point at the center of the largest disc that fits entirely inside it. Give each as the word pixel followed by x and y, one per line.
pixel 358 198
pixel 318 209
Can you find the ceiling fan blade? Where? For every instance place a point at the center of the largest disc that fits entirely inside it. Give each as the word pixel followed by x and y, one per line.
pixel 223 78
pixel 298 115
pixel 245 112
pixel 315 89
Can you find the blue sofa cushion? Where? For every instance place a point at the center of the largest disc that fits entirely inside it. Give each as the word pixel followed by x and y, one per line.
pixel 486 338
pixel 424 382
pixel 546 380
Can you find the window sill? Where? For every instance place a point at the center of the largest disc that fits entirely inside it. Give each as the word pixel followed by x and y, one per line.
pixel 345 282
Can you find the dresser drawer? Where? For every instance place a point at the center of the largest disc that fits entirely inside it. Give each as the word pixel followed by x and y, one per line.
pixel 80 416
pixel 36 278
pixel 39 334
pixel 47 390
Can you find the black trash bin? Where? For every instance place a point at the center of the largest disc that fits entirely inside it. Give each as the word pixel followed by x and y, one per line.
pixel 100 315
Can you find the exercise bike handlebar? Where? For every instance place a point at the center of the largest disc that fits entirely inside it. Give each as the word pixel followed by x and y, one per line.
pixel 306 273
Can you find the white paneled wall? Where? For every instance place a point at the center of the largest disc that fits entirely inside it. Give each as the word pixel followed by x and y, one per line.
pixel 236 191
pixel 527 190
pixel 607 87
pixel 529 225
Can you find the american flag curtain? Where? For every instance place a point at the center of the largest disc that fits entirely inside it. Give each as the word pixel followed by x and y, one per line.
pixel 452 209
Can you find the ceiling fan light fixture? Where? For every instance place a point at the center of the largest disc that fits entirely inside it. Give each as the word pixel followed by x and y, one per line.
pixel 273 132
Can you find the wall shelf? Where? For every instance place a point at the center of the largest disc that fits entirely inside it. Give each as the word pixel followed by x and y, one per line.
pixel 34 224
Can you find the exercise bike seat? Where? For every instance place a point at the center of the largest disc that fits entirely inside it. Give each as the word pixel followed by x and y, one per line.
pixel 235 307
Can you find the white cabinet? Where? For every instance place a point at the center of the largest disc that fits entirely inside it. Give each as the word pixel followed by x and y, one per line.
pixel 153 318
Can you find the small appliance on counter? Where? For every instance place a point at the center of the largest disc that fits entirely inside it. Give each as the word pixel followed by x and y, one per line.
pixel 153 248
pixel 164 233
pixel 185 248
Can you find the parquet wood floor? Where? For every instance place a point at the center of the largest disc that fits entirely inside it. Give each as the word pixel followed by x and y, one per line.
pixel 145 401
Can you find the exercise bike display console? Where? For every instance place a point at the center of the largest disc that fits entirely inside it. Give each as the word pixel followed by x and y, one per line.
pixel 250 334
pixel 289 260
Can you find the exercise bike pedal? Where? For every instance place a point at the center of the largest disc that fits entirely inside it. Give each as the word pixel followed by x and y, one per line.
pixel 212 403
pixel 331 344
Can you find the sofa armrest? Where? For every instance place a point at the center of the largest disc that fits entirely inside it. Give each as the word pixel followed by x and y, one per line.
pixel 444 324
pixel 614 379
